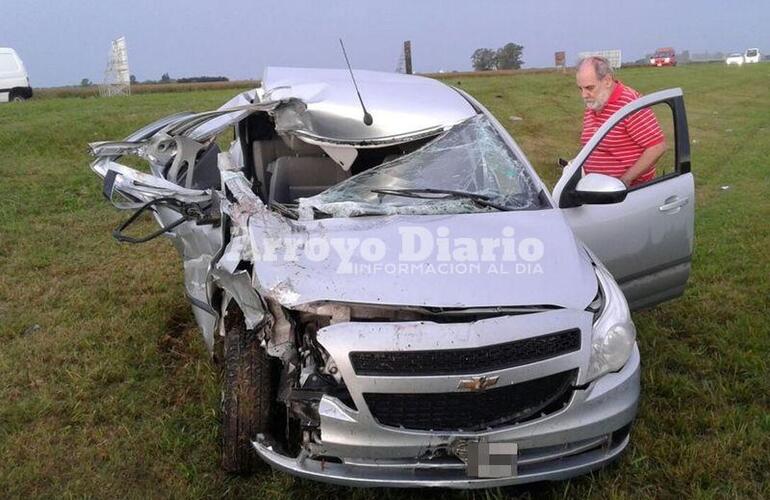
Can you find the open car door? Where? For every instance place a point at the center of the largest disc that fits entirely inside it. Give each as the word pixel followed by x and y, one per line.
pixel 646 240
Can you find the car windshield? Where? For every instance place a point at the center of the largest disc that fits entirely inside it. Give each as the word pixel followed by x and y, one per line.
pixel 751 53
pixel 467 169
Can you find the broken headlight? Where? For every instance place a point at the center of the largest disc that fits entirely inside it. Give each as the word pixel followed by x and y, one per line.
pixel 614 334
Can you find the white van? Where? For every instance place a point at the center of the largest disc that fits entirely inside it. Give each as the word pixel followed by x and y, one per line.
pixel 14 81
pixel 751 56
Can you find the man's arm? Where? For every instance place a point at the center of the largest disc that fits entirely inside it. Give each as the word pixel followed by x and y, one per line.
pixel 644 130
pixel 648 158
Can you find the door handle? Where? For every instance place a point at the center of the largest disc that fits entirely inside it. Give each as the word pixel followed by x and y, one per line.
pixel 673 204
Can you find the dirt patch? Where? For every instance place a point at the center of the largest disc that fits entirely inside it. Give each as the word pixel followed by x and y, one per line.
pixel 178 346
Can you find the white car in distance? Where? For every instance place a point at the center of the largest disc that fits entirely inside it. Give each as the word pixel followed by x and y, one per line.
pixel 14 81
pixel 735 58
pixel 751 56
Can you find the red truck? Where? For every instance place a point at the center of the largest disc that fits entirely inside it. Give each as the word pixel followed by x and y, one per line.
pixel 664 57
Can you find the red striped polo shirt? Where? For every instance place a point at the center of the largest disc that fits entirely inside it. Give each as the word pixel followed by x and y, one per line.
pixel 625 143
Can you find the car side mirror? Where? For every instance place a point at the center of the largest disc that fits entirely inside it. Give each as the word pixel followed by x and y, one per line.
pixel 600 189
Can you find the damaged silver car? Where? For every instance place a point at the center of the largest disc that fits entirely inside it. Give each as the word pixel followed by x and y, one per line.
pixel 395 296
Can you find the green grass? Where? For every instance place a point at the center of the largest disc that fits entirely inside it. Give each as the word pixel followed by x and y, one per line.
pixel 106 389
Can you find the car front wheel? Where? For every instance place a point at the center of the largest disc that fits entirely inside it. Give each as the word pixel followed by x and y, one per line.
pixel 246 394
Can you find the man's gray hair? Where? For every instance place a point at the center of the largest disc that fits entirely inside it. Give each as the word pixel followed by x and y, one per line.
pixel 601 65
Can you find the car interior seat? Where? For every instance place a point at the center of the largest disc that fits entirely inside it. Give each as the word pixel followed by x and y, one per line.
pixel 294 177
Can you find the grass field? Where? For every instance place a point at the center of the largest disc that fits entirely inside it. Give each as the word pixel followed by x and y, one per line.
pixel 107 392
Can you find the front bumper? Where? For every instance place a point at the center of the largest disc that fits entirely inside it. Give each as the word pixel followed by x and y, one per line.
pixel 547 465
pixel 590 431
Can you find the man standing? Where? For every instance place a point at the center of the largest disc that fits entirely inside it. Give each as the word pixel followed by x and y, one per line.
pixel 629 151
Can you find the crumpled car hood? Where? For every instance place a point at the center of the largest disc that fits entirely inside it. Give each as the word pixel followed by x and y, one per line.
pixel 290 266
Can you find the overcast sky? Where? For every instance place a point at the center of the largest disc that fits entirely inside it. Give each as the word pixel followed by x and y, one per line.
pixel 63 41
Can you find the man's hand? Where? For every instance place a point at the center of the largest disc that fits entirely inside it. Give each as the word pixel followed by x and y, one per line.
pixel 649 157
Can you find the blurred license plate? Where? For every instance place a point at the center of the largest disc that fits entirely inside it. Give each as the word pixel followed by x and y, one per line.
pixel 487 459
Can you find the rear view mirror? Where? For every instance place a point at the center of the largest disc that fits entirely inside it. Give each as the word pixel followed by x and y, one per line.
pixel 600 189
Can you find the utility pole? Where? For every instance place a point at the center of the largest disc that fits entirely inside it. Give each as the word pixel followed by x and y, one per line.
pixel 408 57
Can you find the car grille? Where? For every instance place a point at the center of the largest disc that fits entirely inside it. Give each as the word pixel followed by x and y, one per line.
pixel 461 361
pixel 473 411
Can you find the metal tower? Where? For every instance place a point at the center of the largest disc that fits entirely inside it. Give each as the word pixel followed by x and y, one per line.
pixel 117 77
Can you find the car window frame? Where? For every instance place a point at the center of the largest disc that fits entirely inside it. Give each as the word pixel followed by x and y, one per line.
pixel 674 98
pixel 679 168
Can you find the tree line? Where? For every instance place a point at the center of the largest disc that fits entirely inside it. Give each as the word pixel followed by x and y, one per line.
pixel 165 78
pixel 506 57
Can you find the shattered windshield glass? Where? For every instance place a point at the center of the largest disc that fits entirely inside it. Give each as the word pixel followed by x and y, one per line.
pixel 467 169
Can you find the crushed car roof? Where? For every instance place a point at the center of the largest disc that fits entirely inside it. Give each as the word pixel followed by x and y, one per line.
pixel 400 105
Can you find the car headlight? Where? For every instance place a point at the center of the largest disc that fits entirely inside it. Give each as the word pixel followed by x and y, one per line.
pixel 614 334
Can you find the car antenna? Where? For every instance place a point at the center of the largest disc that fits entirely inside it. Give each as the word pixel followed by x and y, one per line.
pixel 368 120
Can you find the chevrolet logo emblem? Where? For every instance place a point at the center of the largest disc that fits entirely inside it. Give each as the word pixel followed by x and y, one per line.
pixel 477 383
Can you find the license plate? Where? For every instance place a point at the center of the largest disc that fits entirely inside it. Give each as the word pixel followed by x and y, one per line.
pixel 487 459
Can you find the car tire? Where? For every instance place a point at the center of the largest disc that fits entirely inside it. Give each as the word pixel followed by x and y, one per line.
pixel 16 97
pixel 247 382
